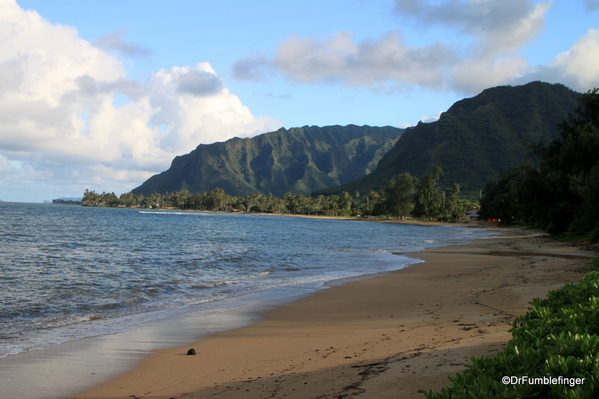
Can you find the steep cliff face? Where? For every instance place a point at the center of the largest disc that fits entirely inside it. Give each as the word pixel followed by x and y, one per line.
pixel 300 160
pixel 476 137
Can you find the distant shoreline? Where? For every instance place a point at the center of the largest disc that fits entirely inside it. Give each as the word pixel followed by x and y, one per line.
pixel 459 223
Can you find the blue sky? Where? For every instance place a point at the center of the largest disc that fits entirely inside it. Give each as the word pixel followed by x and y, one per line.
pixel 102 95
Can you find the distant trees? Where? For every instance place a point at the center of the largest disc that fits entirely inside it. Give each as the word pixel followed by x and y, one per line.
pixel 428 195
pixel 217 200
pixel 400 198
pixel 406 196
pixel 451 206
pixel 251 200
pixel 91 198
pixel 511 197
pixel 560 193
pixel 371 201
pixel 399 195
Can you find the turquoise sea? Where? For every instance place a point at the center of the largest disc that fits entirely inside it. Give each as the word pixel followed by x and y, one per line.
pixel 69 272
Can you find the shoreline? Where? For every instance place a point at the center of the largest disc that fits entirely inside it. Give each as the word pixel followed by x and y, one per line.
pixel 395 335
pixel 64 368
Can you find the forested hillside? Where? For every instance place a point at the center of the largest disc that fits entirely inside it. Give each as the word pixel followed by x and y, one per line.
pixel 299 160
pixel 476 138
pixel 561 192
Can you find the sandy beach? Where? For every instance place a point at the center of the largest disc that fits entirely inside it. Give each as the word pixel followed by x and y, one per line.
pixel 391 336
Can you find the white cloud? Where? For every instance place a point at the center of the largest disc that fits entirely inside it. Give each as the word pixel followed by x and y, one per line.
pixel 406 125
pixel 478 74
pixel 59 118
pixel 194 103
pixel 497 25
pixel 423 119
pixel 499 28
pixel 368 63
pixel 578 67
pixel 431 118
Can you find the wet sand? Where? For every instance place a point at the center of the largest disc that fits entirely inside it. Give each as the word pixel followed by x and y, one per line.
pixel 391 336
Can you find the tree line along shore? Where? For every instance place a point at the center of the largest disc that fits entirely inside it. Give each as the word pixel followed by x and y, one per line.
pixel 404 196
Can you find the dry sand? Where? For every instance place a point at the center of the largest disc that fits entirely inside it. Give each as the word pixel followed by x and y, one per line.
pixel 391 336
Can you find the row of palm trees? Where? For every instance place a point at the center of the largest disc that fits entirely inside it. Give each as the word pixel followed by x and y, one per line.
pixel 404 196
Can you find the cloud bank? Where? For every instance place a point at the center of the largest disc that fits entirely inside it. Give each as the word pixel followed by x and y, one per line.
pixel 356 64
pixel 494 32
pixel 68 112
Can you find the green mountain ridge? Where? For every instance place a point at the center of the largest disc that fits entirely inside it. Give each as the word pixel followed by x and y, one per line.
pixel 475 139
pixel 300 160
pixel 472 141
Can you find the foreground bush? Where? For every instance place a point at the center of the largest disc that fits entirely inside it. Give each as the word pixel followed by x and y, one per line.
pixel 558 337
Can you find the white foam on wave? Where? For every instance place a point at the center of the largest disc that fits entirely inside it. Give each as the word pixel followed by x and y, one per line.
pixel 261 274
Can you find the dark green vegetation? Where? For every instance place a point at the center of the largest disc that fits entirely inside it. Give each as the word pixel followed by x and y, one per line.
pixel 299 160
pixel 403 196
pixel 559 336
pixel 67 201
pixel 475 139
pixel 561 193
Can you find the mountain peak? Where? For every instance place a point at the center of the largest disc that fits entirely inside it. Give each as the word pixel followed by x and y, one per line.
pixel 475 138
pixel 299 159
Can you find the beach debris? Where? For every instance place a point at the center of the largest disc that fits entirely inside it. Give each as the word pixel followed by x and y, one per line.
pixel 191 351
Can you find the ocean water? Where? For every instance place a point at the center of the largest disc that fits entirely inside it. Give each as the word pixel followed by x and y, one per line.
pixel 69 272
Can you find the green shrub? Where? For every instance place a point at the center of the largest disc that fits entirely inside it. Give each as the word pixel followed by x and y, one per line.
pixel 559 336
